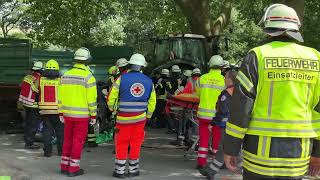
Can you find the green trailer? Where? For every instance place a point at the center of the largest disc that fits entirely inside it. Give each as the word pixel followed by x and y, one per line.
pixel 17 56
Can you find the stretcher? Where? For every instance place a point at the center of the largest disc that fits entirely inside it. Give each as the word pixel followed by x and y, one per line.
pixel 184 108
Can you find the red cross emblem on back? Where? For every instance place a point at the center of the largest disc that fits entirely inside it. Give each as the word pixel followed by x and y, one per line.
pixel 137 90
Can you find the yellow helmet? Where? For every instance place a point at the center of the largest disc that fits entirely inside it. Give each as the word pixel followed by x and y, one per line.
pixel 113 70
pixel 52 64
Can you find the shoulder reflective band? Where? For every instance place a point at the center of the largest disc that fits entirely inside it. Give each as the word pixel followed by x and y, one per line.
pixel 245 82
pixel 274 171
pixel 235 131
pixel 89 85
pixel 74 80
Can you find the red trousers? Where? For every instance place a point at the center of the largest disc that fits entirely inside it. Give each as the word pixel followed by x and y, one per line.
pixel 75 134
pixel 126 135
pixel 204 137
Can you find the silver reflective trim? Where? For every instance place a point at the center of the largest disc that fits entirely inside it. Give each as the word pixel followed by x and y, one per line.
pixel 89 76
pixel 264 146
pixel 120 161
pixel 203 149
pixel 133 161
pixel 308 95
pixel 65 157
pixel 74 164
pixel 217 163
pixel 284 130
pixel 93 111
pixel 270 98
pixel 133 103
pixel 246 83
pixel 64 162
pixel 120 168
pixel 73 82
pixel 132 110
pixel 212 86
pixel 202 155
pixel 92 104
pixel 89 85
pixel 286 121
pixel 212 167
pixel 209 118
pixel 131 121
pixel 76 115
pixel 119 172
pixel 116 85
pixel 274 170
pixel 149 113
pixel 132 168
pixel 275 162
pixel 206 110
pixel 74 108
pixel 235 131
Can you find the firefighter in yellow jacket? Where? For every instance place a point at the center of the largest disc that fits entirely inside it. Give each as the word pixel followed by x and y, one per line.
pixel 208 88
pixel 77 103
pixel 135 94
pixel 48 105
pixel 273 107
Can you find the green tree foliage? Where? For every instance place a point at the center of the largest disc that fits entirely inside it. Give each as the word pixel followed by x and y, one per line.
pixel 311 25
pixel 70 23
pixel 11 12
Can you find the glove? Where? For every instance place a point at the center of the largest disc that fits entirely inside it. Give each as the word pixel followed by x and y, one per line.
pixel 61 118
pixel 93 121
pixel 314 167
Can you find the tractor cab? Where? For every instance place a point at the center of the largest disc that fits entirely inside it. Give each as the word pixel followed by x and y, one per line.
pixel 186 50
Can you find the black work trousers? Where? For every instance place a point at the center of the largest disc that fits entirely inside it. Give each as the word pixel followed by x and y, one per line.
pixel 52 126
pixel 252 176
pixel 30 125
pixel 159 113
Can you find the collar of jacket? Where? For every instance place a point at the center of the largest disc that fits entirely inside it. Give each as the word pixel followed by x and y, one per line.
pixel 214 70
pixel 80 66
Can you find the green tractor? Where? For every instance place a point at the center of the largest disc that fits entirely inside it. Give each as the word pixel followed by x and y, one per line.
pixel 186 50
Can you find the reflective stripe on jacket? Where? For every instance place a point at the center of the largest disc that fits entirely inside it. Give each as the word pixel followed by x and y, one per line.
pixel 78 93
pixel 29 90
pixel 208 88
pixel 48 100
pixel 136 96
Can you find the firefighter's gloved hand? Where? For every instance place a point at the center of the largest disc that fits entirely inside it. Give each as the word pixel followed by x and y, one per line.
pixel 314 167
pixel 93 121
pixel 61 118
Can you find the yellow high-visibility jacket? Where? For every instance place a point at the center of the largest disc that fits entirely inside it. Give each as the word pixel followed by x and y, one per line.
pixel 78 93
pixel 208 88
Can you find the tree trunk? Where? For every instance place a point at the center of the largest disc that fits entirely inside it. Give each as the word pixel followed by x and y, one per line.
pixel 198 15
pixel 201 22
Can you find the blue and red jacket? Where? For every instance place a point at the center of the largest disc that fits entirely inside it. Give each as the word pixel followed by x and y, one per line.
pixel 134 96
